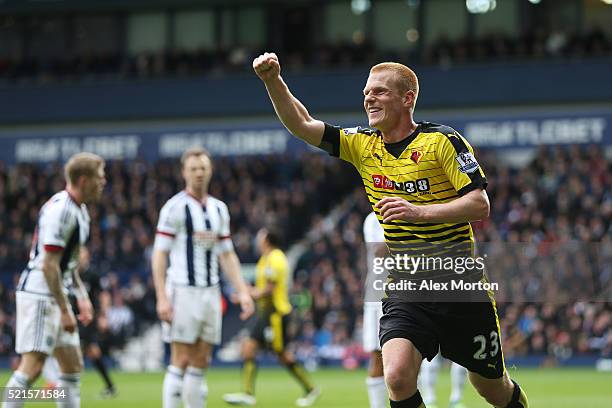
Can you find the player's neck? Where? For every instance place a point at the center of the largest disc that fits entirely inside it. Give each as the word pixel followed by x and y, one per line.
pixel 400 132
pixel 74 194
pixel 198 194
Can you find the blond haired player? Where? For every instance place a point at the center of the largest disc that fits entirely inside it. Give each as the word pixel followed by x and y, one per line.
pixel 46 324
pixel 425 186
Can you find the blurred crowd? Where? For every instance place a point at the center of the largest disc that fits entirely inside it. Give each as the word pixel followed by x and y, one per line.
pixel 258 191
pixel 563 197
pixel 549 242
pixel 537 45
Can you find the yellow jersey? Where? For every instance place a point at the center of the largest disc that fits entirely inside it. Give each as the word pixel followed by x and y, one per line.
pixel 435 164
pixel 273 267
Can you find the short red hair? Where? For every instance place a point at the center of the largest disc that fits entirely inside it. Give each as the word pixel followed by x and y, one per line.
pixel 406 79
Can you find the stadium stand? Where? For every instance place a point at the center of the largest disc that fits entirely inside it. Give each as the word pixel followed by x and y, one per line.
pixel 328 288
pixel 533 46
pixel 527 83
pixel 257 190
pixel 526 207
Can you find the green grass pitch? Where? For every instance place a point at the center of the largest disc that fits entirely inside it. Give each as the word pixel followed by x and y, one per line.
pixel 546 388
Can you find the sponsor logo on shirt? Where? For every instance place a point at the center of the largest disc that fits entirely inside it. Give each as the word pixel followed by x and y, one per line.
pixel 419 186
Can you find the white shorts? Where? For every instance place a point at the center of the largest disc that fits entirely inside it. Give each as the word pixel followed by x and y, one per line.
pixel 39 325
pixel 196 314
pixel 372 312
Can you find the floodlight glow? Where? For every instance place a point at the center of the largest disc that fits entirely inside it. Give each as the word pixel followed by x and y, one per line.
pixel 480 6
pixel 360 6
pixel 412 35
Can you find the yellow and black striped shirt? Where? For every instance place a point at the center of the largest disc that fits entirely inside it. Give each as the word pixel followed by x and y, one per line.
pixel 437 165
pixel 273 267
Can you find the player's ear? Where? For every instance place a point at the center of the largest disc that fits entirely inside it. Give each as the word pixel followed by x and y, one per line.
pixel 81 181
pixel 409 97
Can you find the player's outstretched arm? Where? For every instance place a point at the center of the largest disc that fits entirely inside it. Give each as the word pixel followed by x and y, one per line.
pixel 231 267
pixel 473 206
pixel 52 272
pixel 289 109
pixel 159 264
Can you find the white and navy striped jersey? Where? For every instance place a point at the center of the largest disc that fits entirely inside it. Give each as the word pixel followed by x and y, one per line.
pixel 63 225
pixel 194 259
pixel 373 234
pixel 374 238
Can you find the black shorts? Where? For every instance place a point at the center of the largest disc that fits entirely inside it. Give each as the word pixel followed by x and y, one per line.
pixel 88 334
pixel 465 332
pixel 270 331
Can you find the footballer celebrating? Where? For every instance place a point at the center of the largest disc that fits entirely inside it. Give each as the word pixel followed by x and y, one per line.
pixel 193 231
pixel 425 186
pixel 46 324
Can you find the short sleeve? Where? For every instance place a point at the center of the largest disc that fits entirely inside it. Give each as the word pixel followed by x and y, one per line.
pixel 372 230
pixel 167 227
pixel 457 159
pixel 56 224
pixel 345 143
pixel 277 266
pixel 225 239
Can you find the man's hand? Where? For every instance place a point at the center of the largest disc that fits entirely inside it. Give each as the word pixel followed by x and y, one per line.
pixel 266 66
pixel 164 309
pixel 396 208
pixel 68 321
pixel 246 303
pixel 85 311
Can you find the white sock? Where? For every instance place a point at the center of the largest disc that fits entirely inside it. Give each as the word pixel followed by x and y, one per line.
pixel 458 376
pixel 428 378
pixel 195 389
pixel 377 392
pixel 173 387
pixel 51 371
pixel 17 380
pixel 72 384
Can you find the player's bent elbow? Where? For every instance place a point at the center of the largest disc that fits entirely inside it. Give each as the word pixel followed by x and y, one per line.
pixel 310 131
pixel 307 136
pixel 481 204
pixel 484 210
pixel 480 212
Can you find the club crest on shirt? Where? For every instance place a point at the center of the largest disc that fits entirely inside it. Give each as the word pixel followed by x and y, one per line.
pixel 467 162
pixel 416 154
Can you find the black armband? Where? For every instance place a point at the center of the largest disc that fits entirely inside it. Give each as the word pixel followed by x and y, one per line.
pixel 477 182
pixel 331 140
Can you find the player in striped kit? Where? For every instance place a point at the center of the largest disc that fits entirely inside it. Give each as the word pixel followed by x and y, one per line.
pixel 46 324
pixel 374 237
pixel 426 186
pixel 192 242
